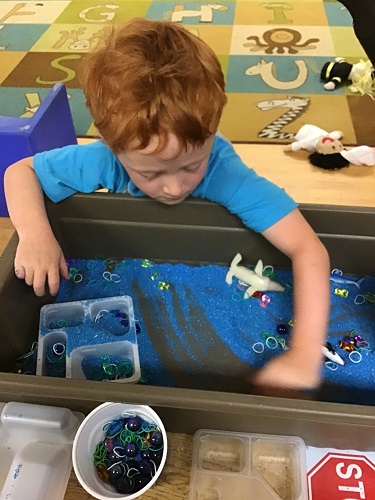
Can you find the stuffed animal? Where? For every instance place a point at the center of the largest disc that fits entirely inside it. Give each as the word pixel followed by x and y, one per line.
pixel 327 151
pixel 361 75
pixel 316 139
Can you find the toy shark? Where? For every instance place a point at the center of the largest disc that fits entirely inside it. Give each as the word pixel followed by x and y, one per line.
pixel 256 280
pixel 340 279
pixel 331 354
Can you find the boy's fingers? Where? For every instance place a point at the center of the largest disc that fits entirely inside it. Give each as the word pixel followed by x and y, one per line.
pixel 39 284
pixel 19 271
pixel 54 281
pixel 29 277
pixel 64 271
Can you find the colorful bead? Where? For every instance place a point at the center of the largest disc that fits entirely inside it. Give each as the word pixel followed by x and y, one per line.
pixel 140 481
pixel 146 455
pixel 156 439
pixel 162 285
pixel 112 264
pixel 282 329
pixel 145 467
pixel 124 485
pixel 341 292
pixel 156 456
pixel 347 344
pixel 134 424
pixel 102 473
pixel 130 450
pixel 116 470
pixel 58 348
pixel 265 300
pixel 146 263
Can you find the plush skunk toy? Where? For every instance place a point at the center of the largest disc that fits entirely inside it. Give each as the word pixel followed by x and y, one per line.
pixel 327 151
pixel 339 72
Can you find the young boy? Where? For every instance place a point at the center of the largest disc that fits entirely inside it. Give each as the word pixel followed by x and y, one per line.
pixel 156 93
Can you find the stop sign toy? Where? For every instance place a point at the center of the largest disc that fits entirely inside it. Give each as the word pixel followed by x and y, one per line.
pixel 341 476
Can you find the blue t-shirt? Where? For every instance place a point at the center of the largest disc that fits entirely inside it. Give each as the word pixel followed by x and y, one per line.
pixel 228 181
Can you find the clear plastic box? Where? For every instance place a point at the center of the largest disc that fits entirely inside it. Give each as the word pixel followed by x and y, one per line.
pixel 231 465
pixel 36 444
pixel 61 326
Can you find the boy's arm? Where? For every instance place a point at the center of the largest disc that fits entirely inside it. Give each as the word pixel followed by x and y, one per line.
pixel 39 256
pixel 300 366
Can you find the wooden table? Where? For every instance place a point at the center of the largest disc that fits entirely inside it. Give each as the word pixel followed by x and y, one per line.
pixel 173 484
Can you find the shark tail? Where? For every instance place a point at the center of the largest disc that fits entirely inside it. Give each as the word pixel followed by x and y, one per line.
pixel 236 260
pixel 229 277
pixel 359 283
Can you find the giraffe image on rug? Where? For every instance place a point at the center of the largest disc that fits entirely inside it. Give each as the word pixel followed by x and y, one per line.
pixel 78 41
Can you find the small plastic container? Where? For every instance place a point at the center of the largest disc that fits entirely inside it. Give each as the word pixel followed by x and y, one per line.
pixel 247 467
pixel 36 443
pixel 74 333
pixel 90 433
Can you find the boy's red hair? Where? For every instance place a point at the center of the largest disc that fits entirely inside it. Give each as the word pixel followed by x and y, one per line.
pixel 154 78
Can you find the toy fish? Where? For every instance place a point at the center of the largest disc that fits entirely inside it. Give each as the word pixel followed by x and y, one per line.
pixel 331 354
pixel 256 280
pixel 340 279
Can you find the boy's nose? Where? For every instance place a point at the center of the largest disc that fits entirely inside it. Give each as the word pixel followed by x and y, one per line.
pixel 172 188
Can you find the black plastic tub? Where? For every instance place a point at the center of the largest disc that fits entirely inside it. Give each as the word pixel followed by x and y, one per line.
pixel 194 232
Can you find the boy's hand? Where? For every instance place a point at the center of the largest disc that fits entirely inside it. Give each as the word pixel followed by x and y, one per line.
pixel 39 261
pixel 291 370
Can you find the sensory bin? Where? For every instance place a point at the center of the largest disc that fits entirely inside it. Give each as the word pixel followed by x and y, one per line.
pixel 247 467
pixel 196 331
pixel 195 232
pixel 89 339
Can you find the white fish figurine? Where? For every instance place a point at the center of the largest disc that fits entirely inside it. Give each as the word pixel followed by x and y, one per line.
pixel 331 354
pixel 256 280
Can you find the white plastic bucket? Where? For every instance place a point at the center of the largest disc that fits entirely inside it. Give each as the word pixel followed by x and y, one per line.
pixel 90 433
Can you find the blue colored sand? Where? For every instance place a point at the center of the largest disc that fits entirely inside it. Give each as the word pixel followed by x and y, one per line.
pixel 196 331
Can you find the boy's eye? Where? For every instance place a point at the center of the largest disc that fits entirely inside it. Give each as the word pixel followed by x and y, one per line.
pixel 192 168
pixel 149 176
